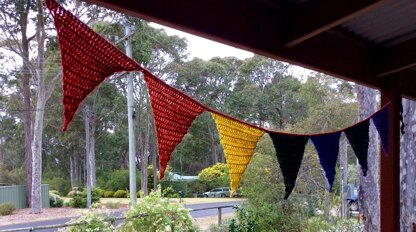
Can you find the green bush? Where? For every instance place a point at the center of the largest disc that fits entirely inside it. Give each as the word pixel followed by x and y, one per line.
pixel 73 192
pixel 7 208
pixel 79 199
pixel 108 194
pixel 12 176
pixel 263 187
pixel 55 201
pixel 161 215
pixel 101 191
pixel 119 179
pixel 121 194
pixel 91 222
pixel 54 192
pixel 214 176
pixel 62 185
pixel 169 192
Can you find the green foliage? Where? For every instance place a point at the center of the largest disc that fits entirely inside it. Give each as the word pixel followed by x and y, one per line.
pixel 108 194
pixel 244 221
pixel 119 179
pixel 263 187
pixel 319 224
pixel 11 176
pixel 79 199
pixel 60 184
pixel 214 176
pixel 55 201
pixel 91 222
pixel 73 192
pixel 169 192
pixel 54 192
pixel 7 208
pixel 121 194
pixel 161 215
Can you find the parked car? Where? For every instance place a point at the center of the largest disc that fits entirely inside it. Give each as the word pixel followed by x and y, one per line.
pixel 218 192
pixel 352 199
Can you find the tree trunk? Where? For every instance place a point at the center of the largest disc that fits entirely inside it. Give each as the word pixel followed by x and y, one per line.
pixel 343 163
pixel 25 89
pixel 91 154
pixel 213 145
pixel 408 166
pixel 88 153
pixel 40 106
pixel 144 158
pixel 72 169
pixel 369 194
pixel 153 154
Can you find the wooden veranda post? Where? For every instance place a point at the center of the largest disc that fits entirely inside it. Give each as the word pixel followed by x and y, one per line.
pixel 390 165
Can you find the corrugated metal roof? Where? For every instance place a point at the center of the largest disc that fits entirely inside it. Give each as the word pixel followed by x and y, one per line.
pixel 387 25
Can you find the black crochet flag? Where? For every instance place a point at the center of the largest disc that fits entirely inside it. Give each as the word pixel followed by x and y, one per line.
pixel 381 122
pixel 289 152
pixel 358 137
pixel 327 146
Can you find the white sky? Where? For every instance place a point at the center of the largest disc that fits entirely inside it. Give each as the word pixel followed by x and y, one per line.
pixel 206 49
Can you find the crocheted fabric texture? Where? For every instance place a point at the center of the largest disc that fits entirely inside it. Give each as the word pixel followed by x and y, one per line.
pixel 173 114
pixel 87 59
pixel 380 120
pixel 358 137
pixel 289 152
pixel 327 146
pixel 238 141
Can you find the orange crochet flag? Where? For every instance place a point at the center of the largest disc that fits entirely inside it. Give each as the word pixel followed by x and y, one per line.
pixel 173 113
pixel 87 59
pixel 238 141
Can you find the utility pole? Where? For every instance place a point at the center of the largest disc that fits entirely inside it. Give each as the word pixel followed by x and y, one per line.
pixel 130 110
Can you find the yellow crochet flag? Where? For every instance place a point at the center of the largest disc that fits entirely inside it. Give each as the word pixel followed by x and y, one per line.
pixel 238 141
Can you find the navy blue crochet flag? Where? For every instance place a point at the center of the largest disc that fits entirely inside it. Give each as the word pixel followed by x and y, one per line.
pixel 289 152
pixel 380 120
pixel 327 146
pixel 358 137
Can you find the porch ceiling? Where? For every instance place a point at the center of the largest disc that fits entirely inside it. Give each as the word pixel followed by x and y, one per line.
pixel 371 42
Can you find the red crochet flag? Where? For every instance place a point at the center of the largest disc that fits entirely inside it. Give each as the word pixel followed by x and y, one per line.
pixel 87 59
pixel 173 112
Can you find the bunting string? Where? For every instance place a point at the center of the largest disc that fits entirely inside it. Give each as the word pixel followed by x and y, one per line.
pixel 88 59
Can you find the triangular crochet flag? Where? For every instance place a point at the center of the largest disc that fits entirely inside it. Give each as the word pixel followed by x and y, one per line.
pixel 380 120
pixel 87 59
pixel 289 152
pixel 173 112
pixel 238 141
pixel 327 146
pixel 358 137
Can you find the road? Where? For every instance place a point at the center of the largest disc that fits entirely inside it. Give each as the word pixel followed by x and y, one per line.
pixel 194 214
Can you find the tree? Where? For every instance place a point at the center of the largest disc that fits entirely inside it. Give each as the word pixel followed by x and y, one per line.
pixel 407 166
pixel 369 196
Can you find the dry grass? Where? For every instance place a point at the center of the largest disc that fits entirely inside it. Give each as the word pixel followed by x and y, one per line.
pixel 205 222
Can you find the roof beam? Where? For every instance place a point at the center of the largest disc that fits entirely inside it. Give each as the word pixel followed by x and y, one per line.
pixel 315 17
pixel 396 58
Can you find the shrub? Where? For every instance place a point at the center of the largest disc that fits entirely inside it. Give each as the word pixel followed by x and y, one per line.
pixel 108 194
pixel 79 199
pixel 100 191
pixel 161 215
pixel 55 201
pixel 169 192
pixel 62 185
pixel 6 208
pixel 12 176
pixel 119 179
pixel 90 222
pixel 214 176
pixel 121 194
pixel 54 192
pixel 73 192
